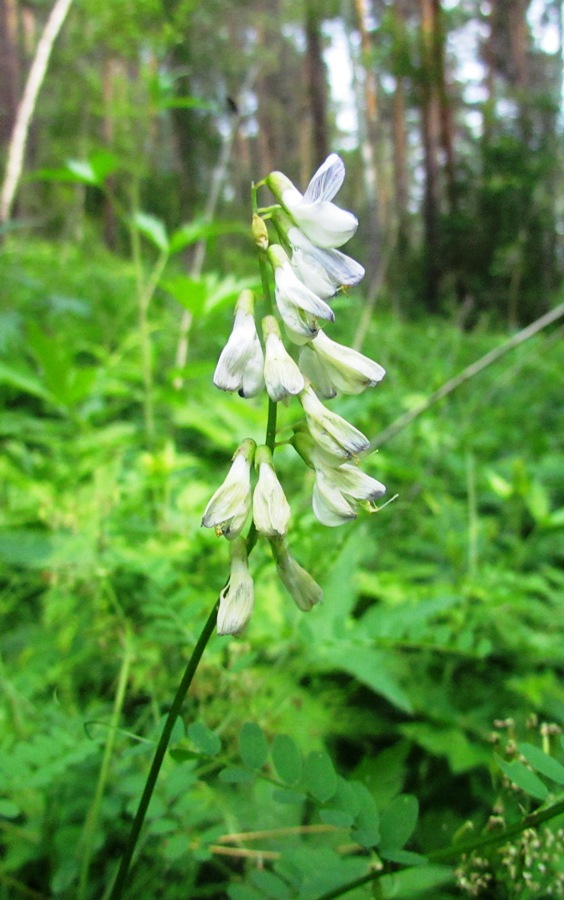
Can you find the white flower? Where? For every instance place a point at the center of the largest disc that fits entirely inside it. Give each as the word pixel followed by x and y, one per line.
pixel 299 307
pixel 332 367
pixel 281 374
pixel 271 510
pixel 229 507
pixel 240 365
pixel 304 589
pixel 333 434
pixel 323 271
pixel 236 600
pixel 325 224
pixel 339 491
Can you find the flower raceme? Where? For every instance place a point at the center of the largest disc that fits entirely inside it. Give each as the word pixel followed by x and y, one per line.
pixel 325 224
pixel 306 270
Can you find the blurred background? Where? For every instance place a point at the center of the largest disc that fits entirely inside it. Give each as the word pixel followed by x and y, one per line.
pixel 124 243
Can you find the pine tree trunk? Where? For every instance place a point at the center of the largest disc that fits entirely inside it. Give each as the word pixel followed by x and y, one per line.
pixel 9 70
pixel 431 137
pixel 316 79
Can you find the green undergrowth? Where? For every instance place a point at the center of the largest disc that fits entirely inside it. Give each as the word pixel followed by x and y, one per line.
pixel 370 723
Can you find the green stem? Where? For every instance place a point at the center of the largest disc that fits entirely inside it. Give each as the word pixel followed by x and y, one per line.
pixel 453 852
pixel 173 714
pixel 87 839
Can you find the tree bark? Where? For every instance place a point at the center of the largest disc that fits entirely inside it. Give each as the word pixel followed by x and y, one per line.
pixel 18 141
pixel 9 70
pixel 316 78
pixel 431 137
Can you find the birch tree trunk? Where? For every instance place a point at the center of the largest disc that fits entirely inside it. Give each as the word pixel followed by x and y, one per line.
pixel 18 141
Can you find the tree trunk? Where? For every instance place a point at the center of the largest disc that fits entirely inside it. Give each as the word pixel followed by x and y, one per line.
pixel 9 70
pixel 316 79
pixel 431 137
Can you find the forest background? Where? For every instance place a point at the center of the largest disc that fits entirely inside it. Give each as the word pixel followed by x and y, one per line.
pixel 424 696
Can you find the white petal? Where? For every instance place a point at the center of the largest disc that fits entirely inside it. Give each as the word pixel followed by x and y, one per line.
pixel 314 369
pixel 334 434
pixel 228 509
pixel 228 375
pixel 325 224
pixel 292 290
pixel 271 510
pixel 330 507
pixel 355 483
pixel 253 377
pixel 281 374
pixel 327 180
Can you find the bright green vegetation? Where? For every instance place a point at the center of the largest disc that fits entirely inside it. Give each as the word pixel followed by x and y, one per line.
pixel 372 715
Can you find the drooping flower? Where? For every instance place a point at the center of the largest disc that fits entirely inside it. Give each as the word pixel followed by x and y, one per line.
pixel 339 491
pixel 304 589
pixel 299 307
pixel 271 510
pixel 282 375
pixel 323 271
pixel 325 224
pixel 228 509
pixel 241 363
pixel 333 434
pixel 236 600
pixel 332 367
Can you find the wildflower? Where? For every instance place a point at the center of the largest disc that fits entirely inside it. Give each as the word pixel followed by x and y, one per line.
pixel 333 434
pixel 332 367
pixel 281 374
pixel 240 365
pixel 323 271
pixel 271 510
pixel 299 307
pixel 304 589
pixel 237 598
pixel 229 507
pixel 325 224
pixel 339 491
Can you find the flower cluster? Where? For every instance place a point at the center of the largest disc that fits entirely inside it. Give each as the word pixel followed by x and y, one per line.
pixel 307 269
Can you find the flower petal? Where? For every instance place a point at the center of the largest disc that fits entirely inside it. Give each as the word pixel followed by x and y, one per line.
pixel 327 180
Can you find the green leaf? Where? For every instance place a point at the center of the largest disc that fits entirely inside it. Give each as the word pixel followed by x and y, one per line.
pixel 83 171
pixel 153 229
pixel 520 775
pixel 205 739
pixel 287 759
pixel 320 777
pixel 191 293
pixel 235 775
pixel 270 885
pixel 253 745
pixel 9 809
pixel 337 817
pixel 366 830
pixel 285 796
pixel 398 822
pixel 403 857
pixel 542 762
pixel 22 381
pixel 372 668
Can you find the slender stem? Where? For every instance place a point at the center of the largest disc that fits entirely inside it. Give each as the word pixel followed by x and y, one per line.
pixel 174 712
pixel 94 811
pixel 456 850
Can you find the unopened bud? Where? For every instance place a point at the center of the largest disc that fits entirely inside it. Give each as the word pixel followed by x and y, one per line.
pixel 259 232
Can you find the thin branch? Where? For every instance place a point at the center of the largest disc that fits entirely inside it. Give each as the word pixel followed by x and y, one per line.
pixel 16 149
pixel 519 338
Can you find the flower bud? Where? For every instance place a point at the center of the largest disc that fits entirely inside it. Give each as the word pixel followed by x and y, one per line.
pixel 259 232
pixel 271 510
pixel 333 434
pixel 228 509
pixel 304 589
pixel 332 367
pixel 299 307
pixel 281 374
pixel 240 365
pixel 236 600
